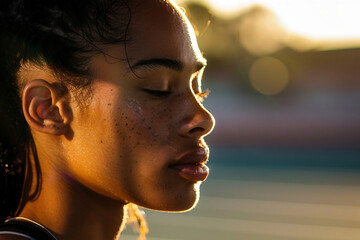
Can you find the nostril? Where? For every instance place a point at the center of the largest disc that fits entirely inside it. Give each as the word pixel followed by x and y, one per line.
pixel 196 130
pixel 196 125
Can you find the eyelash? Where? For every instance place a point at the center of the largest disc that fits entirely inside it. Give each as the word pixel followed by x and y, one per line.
pixel 202 95
pixel 157 93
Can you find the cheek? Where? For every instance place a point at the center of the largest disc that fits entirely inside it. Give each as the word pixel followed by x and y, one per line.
pixel 146 124
pixel 122 146
pixel 135 147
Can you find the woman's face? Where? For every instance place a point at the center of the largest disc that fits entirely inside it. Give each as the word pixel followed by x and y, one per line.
pixel 140 137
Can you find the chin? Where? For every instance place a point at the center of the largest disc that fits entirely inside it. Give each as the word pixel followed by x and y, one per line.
pixel 179 202
pixel 186 208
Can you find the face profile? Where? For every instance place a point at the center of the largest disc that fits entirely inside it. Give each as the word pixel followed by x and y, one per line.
pixel 135 136
pixel 147 125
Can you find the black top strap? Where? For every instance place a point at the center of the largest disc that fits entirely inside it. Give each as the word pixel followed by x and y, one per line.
pixel 27 228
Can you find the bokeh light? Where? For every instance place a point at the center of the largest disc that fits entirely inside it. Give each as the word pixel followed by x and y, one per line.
pixel 269 76
pixel 260 33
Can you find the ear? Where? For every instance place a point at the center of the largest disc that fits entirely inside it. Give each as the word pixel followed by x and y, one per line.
pixel 45 108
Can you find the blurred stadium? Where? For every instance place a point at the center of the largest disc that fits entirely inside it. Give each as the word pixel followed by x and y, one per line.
pixel 285 152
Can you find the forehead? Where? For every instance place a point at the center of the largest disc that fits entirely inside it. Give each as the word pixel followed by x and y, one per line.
pixel 160 30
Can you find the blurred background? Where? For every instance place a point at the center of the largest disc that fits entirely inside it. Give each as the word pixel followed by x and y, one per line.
pixel 285 153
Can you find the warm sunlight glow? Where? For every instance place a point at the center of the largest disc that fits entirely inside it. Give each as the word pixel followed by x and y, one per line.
pixel 320 19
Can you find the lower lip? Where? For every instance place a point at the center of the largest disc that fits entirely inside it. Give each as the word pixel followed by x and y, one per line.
pixel 192 173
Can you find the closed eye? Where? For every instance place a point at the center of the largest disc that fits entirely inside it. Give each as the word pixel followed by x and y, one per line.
pixel 157 92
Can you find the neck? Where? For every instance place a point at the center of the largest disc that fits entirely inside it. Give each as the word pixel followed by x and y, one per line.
pixel 72 211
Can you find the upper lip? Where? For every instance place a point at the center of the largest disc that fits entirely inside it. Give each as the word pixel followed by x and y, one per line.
pixel 197 155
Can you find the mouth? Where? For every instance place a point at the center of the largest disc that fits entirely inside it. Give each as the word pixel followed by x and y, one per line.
pixel 191 165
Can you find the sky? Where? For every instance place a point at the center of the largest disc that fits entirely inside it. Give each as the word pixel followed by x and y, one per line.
pixel 314 19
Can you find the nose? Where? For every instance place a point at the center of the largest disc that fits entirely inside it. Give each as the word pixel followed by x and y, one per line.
pixel 199 123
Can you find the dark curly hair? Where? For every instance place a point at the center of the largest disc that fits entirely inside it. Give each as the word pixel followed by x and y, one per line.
pixel 62 35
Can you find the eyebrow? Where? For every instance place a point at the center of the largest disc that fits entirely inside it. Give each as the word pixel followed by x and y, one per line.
pixel 166 62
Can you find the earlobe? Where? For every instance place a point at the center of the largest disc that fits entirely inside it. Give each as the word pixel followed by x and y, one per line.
pixel 44 108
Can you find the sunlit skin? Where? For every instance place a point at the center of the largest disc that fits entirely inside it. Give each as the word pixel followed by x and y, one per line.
pixel 119 145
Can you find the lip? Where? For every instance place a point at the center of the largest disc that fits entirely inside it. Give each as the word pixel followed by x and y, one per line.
pixel 191 165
